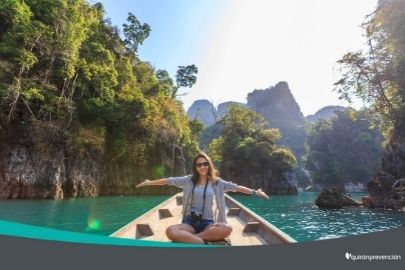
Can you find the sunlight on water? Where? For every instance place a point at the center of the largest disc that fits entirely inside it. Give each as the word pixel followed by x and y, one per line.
pixel 93 224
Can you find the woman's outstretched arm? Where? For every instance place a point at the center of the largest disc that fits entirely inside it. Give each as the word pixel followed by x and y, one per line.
pixel 250 191
pixel 159 182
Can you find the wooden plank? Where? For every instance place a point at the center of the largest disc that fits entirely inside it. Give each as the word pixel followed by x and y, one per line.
pixel 179 200
pixel 164 213
pixel 143 230
pixel 270 233
pixel 251 226
pixel 240 238
pixel 234 211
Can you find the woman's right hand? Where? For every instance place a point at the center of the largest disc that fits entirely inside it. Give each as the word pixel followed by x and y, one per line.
pixel 144 183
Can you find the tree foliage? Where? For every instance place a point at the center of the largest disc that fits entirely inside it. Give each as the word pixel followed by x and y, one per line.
pixel 186 76
pixel 62 63
pixel 376 75
pixel 343 150
pixel 135 32
pixel 247 148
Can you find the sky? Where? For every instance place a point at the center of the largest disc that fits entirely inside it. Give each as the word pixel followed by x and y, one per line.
pixel 242 45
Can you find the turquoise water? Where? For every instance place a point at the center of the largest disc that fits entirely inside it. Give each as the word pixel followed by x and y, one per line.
pixel 294 214
pixel 101 215
pixel 299 217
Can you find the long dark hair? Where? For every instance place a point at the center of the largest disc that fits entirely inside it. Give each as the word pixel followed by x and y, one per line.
pixel 211 169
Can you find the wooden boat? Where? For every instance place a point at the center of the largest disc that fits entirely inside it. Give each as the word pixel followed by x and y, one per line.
pixel 248 228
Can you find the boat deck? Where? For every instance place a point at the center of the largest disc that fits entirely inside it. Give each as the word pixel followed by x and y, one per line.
pixel 248 228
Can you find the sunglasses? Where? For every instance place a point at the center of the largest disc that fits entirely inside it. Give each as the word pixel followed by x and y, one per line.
pixel 199 165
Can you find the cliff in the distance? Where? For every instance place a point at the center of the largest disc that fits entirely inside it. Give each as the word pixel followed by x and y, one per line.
pixel 278 106
pixel 203 111
pixel 325 113
pixel 223 108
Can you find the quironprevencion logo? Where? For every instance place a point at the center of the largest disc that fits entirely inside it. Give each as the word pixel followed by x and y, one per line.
pixel 372 257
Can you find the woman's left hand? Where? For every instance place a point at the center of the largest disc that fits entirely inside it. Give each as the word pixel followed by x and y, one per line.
pixel 260 193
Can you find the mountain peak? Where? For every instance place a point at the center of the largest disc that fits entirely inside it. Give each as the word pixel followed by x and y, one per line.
pixel 203 111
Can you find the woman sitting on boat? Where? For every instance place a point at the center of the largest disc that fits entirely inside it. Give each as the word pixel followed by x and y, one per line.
pixel 199 191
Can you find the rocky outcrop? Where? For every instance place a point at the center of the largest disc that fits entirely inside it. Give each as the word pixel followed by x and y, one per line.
pixel 278 106
pixel 203 111
pixel 334 198
pixel 30 168
pixel 387 188
pixel 386 191
pixel 272 182
pixel 38 161
pixel 276 103
pixel 325 113
pixel 281 187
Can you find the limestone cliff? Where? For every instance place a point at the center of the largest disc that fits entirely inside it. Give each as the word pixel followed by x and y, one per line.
pixel 203 111
pixel 279 107
pixel 37 160
pixel 223 108
pixel 31 168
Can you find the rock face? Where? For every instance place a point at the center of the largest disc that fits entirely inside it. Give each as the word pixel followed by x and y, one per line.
pixel 324 113
pixel 223 108
pixel 387 188
pixel 272 182
pixel 279 107
pixel 386 191
pixel 334 198
pixel 30 169
pixel 281 187
pixel 52 169
pixel 203 111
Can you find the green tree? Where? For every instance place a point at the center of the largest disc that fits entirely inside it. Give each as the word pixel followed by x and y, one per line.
pixel 343 150
pixel 376 75
pixel 247 153
pixel 135 32
pixel 165 80
pixel 186 76
pixel 66 73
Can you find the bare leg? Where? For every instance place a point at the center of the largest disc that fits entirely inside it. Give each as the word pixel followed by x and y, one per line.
pixel 183 233
pixel 215 232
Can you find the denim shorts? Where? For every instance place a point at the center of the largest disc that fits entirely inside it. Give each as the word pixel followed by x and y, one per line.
pixel 198 226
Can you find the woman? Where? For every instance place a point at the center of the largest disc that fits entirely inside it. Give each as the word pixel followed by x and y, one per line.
pixel 199 191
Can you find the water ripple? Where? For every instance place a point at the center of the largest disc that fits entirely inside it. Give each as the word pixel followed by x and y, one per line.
pixel 304 221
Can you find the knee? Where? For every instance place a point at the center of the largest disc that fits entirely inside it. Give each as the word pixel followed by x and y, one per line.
pixel 226 229
pixel 171 232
